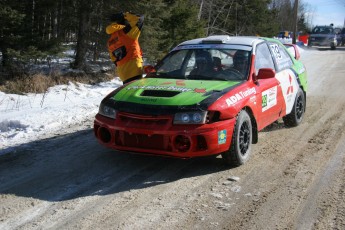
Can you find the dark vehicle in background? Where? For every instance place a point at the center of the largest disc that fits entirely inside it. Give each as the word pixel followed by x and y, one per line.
pixel 323 36
pixel 341 37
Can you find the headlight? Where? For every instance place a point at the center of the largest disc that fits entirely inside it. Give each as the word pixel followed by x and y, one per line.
pixel 190 117
pixel 107 111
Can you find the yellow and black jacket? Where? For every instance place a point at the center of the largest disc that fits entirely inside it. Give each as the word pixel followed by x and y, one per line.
pixel 123 46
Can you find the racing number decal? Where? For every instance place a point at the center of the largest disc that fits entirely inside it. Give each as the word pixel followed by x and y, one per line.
pixel 264 101
pixel 276 52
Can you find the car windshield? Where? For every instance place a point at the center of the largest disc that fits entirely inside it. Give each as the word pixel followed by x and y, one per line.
pixel 204 64
pixel 322 30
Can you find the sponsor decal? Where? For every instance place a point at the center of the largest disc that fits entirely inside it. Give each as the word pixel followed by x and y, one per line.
pixel 156 87
pixel 200 46
pixel 172 88
pixel 180 83
pixel 222 136
pixel 239 96
pixel 290 92
pixel 200 90
pixel 269 98
pixel 290 88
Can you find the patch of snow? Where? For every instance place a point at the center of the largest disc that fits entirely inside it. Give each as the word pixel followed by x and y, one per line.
pixel 24 118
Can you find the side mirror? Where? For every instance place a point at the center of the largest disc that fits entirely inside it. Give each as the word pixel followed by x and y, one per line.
pixel 266 73
pixel 149 69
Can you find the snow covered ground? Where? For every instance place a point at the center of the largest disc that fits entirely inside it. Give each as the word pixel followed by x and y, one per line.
pixel 25 118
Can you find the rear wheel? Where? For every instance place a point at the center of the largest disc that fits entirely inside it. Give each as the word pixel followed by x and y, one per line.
pixel 241 142
pixel 295 117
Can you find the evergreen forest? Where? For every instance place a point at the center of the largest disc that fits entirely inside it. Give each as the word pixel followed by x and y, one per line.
pixel 36 30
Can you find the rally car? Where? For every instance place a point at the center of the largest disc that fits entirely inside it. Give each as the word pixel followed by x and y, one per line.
pixel 208 96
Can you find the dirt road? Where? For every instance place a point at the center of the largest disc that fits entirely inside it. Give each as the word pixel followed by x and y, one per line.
pixel 294 180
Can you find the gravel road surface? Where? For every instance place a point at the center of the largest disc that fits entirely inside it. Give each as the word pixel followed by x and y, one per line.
pixel 294 179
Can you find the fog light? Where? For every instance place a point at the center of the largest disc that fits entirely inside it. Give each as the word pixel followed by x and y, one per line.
pixel 104 135
pixel 182 143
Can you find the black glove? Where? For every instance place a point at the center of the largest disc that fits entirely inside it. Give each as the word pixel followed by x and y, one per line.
pixel 117 18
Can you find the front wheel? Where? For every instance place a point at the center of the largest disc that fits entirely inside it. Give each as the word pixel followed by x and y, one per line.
pixel 241 142
pixel 295 117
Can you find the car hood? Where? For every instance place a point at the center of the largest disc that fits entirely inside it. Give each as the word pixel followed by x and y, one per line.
pixel 168 94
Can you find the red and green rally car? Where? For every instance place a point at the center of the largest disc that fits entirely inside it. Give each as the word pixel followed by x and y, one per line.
pixel 208 96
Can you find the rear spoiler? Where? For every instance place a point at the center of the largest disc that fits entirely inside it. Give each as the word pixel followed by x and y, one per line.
pixel 293 49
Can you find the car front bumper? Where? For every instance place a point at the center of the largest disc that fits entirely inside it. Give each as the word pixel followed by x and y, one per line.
pixel 159 136
pixel 322 42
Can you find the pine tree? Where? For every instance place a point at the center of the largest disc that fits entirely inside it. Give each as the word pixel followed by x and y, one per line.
pixel 181 24
pixel 10 20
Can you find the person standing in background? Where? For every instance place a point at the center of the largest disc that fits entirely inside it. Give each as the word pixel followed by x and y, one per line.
pixel 123 45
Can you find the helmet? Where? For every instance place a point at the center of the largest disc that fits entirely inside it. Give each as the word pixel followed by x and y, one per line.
pixel 241 60
pixel 203 58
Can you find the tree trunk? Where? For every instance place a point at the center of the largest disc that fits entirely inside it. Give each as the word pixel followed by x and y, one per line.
pixel 82 40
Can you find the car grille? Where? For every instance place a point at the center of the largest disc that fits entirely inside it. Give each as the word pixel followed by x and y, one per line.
pixel 132 120
pixel 144 141
pixel 318 39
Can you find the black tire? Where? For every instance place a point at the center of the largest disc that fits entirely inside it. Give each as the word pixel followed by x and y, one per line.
pixel 241 143
pixel 296 116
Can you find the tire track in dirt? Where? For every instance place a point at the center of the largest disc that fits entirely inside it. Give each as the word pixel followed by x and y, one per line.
pixel 122 200
pixel 316 208
pixel 95 188
pixel 313 150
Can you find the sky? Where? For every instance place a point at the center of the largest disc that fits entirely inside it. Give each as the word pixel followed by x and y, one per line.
pixel 325 12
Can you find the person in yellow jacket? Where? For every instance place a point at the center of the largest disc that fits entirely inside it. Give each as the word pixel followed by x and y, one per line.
pixel 123 45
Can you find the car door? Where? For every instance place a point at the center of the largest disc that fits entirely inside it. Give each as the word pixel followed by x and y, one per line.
pixel 287 77
pixel 269 108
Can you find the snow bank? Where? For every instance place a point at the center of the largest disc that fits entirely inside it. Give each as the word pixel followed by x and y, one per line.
pixel 24 118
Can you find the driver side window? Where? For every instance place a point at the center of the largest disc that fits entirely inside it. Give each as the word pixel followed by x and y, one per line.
pixel 263 58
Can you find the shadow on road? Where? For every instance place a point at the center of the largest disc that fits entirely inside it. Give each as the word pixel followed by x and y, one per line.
pixel 76 165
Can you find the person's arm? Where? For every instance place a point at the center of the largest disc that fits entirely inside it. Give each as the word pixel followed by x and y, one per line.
pixel 134 20
pixel 134 23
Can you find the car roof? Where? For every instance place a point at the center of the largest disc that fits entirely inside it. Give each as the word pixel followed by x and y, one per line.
pixel 225 39
pixel 325 26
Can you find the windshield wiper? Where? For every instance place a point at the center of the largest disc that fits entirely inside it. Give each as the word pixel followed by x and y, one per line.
pixel 203 77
